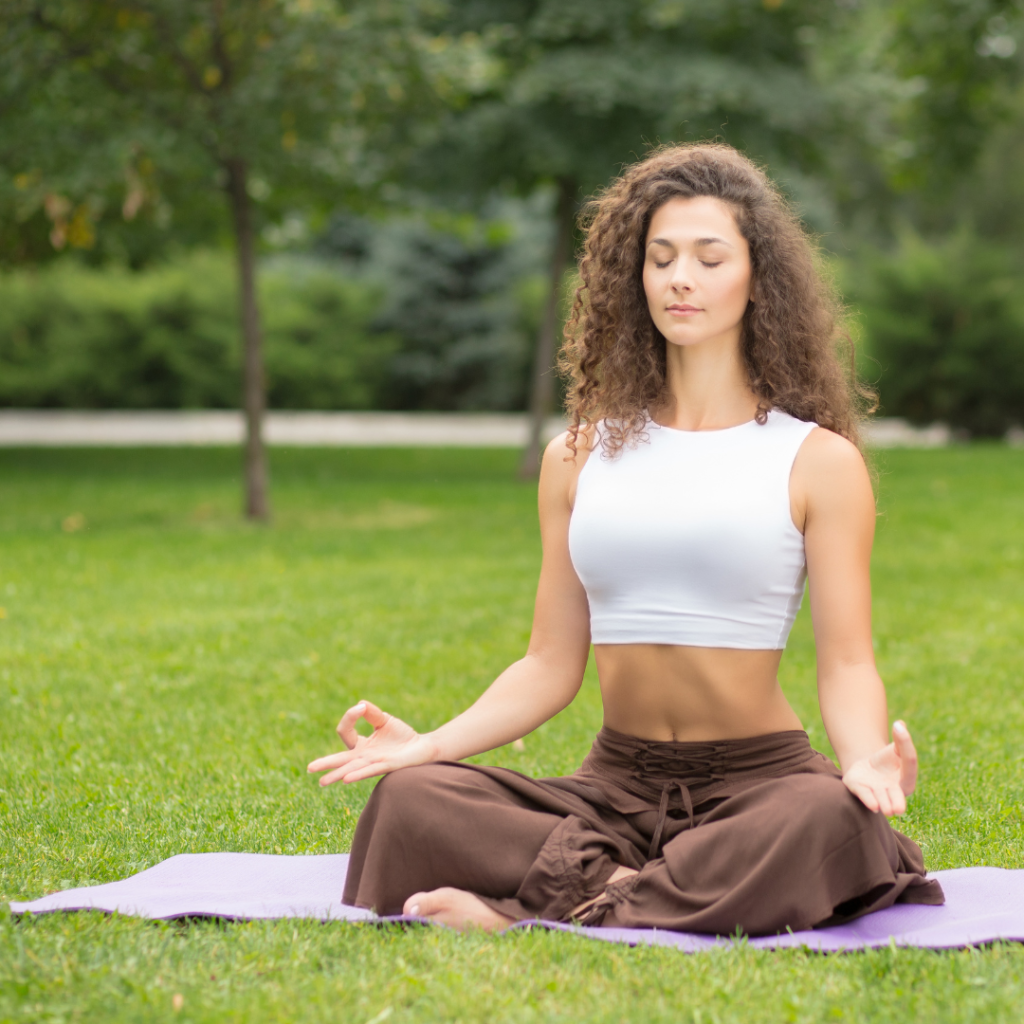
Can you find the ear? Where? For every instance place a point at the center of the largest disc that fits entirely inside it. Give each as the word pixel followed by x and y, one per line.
pixel 753 290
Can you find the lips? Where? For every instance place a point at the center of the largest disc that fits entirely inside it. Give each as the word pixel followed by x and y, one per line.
pixel 684 308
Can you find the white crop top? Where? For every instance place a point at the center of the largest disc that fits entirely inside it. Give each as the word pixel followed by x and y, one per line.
pixel 688 538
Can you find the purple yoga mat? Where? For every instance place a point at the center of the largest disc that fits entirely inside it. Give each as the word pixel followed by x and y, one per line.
pixel 982 904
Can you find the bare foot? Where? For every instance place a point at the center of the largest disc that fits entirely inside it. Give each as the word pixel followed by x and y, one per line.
pixel 456 908
pixel 617 875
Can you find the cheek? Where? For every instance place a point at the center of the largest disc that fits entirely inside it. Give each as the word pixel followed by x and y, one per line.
pixel 652 288
pixel 735 289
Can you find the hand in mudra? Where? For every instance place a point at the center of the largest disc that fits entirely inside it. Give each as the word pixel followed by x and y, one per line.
pixel 883 781
pixel 393 744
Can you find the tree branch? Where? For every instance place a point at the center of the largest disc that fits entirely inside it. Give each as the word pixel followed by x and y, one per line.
pixel 220 54
pixel 165 34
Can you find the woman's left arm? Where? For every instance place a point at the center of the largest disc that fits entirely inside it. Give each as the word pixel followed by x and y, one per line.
pixel 832 497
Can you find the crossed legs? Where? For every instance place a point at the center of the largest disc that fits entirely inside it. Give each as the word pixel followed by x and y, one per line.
pixel 467 848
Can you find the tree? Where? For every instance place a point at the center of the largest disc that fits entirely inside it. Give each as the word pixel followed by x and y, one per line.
pixel 919 89
pixel 245 98
pixel 586 85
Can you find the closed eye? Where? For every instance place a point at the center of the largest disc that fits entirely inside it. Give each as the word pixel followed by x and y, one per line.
pixel 711 265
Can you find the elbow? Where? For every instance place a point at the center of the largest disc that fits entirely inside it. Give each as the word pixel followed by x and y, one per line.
pixel 560 676
pixel 841 665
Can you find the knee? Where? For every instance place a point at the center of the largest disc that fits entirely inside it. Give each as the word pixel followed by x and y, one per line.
pixel 405 791
pixel 825 802
pixel 408 784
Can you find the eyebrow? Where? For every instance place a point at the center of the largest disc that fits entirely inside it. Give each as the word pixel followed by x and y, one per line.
pixel 699 241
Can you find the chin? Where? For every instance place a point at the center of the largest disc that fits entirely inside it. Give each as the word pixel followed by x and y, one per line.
pixel 684 341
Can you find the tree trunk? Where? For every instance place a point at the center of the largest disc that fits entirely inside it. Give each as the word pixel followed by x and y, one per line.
pixel 542 392
pixel 254 397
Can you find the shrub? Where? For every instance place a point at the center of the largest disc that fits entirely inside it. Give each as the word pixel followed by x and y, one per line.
pixel 399 315
pixel 945 324
pixel 168 338
pixel 322 350
pixel 460 295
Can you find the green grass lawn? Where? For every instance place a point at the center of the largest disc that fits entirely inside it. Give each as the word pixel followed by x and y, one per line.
pixel 166 672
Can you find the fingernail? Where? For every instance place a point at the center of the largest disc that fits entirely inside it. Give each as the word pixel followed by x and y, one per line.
pixel 414 910
pixel 361 706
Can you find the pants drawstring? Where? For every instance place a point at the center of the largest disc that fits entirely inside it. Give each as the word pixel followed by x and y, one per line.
pixel 666 791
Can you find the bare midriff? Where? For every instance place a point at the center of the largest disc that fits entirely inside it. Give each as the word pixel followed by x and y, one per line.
pixel 667 692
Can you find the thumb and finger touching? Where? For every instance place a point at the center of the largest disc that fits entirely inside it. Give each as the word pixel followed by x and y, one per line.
pixel 347 725
pixel 367 756
pixel 364 709
pixel 373 714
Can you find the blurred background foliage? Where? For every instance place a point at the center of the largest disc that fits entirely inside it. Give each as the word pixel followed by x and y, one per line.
pixel 166 337
pixel 409 313
pixel 405 162
pixel 944 326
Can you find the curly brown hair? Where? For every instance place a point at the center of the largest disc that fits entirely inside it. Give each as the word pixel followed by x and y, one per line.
pixel 614 356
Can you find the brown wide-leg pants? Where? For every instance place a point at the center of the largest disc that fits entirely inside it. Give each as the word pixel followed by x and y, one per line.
pixel 754 834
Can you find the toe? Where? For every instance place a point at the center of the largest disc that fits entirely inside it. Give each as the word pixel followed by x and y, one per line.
pixel 415 905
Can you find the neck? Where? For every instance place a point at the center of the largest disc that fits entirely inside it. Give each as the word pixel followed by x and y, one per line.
pixel 707 386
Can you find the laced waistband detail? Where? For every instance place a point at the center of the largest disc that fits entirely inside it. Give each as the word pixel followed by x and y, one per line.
pixel 667 771
pixel 690 768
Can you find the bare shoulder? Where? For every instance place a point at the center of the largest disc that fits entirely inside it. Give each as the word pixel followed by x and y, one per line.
pixel 826 453
pixel 561 466
pixel 830 476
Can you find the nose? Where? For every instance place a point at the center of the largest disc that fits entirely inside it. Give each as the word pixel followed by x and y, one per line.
pixel 682 278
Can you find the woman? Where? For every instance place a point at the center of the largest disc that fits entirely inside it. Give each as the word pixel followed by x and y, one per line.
pixel 711 466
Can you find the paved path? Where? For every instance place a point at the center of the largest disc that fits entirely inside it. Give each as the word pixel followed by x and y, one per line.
pixel 52 428
pixel 58 428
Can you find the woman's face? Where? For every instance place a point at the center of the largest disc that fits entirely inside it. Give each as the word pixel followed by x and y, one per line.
pixel 697 273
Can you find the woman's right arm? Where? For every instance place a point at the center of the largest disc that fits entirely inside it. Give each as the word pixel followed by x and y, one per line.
pixel 527 693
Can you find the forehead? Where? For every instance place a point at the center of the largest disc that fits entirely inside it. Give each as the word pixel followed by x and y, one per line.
pixel 685 220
